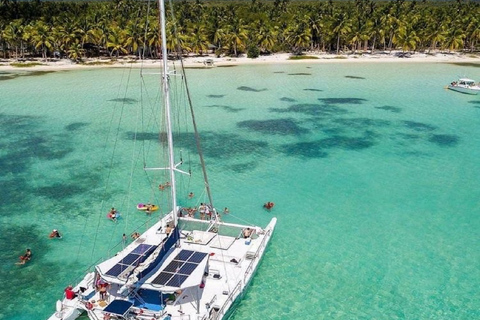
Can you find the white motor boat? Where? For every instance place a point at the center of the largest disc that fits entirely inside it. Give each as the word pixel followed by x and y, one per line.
pixel 464 85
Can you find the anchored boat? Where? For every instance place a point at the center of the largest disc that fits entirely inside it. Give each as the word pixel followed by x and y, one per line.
pixel 183 267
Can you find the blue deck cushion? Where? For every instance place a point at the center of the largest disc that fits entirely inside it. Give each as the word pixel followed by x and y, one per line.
pixel 118 307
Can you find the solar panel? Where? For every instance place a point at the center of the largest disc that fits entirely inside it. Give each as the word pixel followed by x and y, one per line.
pixel 187 268
pixel 134 258
pixel 178 270
pixel 184 255
pixel 173 266
pixel 116 270
pixel 197 257
pixel 129 259
pixel 177 280
pixel 162 278
pixel 142 248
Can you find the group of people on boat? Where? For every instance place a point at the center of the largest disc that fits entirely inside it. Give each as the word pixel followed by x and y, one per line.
pixel 205 211
pixel 188 212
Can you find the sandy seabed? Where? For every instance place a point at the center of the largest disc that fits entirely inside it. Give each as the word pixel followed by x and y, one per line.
pixel 211 60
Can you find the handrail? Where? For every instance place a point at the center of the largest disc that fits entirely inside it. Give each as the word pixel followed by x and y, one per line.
pixel 247 271
pixel 260 247
pixel 92 314
pixel 230 298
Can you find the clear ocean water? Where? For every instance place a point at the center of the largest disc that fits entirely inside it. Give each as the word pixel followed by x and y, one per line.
pixel 373 168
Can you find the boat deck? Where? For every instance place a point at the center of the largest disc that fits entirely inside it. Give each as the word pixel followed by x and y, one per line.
pixel 232 261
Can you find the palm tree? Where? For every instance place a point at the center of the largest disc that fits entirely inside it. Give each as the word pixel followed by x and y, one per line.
pixel 197 39
pixel 76 51
pixel 13 35
pixel 116 41
pixel 299 37
pixel 42 37
pixel 406 38
pixel 134 36
pixel 341 28
pixel 454 39
pixel 236 35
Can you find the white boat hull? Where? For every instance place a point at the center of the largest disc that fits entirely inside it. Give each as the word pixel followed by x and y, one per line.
pixel 471 90
pixel 230 272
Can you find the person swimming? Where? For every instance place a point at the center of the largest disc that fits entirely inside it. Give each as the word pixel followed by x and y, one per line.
pixel 269 205
pixel 112 214
pixel 26 257
pixel 55 234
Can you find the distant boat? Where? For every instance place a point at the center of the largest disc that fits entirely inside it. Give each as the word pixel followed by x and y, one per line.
pixel 208 62
pixel 180 268
pixel 464 85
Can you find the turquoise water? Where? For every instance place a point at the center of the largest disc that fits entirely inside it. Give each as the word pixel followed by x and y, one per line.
pixel 373 168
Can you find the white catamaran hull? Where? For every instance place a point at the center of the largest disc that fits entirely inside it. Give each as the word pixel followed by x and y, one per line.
pixel 232 262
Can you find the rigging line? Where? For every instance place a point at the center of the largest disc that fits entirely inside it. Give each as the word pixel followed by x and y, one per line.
pixel 144 150
pixel 107 182
pixel 80 244
pixel 190 104
pixel 132 164
pixel 197 140
pixel 125 200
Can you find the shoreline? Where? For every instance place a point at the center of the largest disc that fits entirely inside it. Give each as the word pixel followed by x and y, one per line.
pixel 278 58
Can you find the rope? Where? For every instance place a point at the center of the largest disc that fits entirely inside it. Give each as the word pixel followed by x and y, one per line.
pixel 107 182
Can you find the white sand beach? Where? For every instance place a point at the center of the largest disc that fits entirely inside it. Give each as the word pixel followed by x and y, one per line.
pixel 201 61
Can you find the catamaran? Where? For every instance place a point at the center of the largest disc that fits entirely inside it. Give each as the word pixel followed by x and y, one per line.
pixel 182 267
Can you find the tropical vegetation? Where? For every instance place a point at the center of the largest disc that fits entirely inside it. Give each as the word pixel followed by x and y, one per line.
pixel 117 28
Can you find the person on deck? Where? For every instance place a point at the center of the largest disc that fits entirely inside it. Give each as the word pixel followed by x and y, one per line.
pixel 135 235
pixel 168 230
pixel 69 293
pixel 247 232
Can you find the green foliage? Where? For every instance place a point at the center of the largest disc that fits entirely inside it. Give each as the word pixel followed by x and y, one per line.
pixel 253 52
pixel 301 57
pixel 26 64
pixel 126 28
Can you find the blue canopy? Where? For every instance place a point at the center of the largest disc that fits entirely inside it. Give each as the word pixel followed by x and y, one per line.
pixel 118 307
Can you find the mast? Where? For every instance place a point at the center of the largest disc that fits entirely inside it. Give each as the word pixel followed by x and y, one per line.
pixel 166 103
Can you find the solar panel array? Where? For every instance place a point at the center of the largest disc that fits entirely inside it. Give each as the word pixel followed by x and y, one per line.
pixel 134 258
pixel 177 271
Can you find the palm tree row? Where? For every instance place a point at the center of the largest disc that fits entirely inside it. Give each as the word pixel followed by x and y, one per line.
pixel 126 27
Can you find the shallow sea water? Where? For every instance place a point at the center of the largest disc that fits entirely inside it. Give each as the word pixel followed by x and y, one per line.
pixel 373 168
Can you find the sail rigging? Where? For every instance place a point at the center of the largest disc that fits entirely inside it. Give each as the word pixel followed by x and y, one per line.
pixel 203 265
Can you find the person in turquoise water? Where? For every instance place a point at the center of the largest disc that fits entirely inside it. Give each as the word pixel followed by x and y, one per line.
pixel 26 257
pixel 112 215
pixel 55 234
